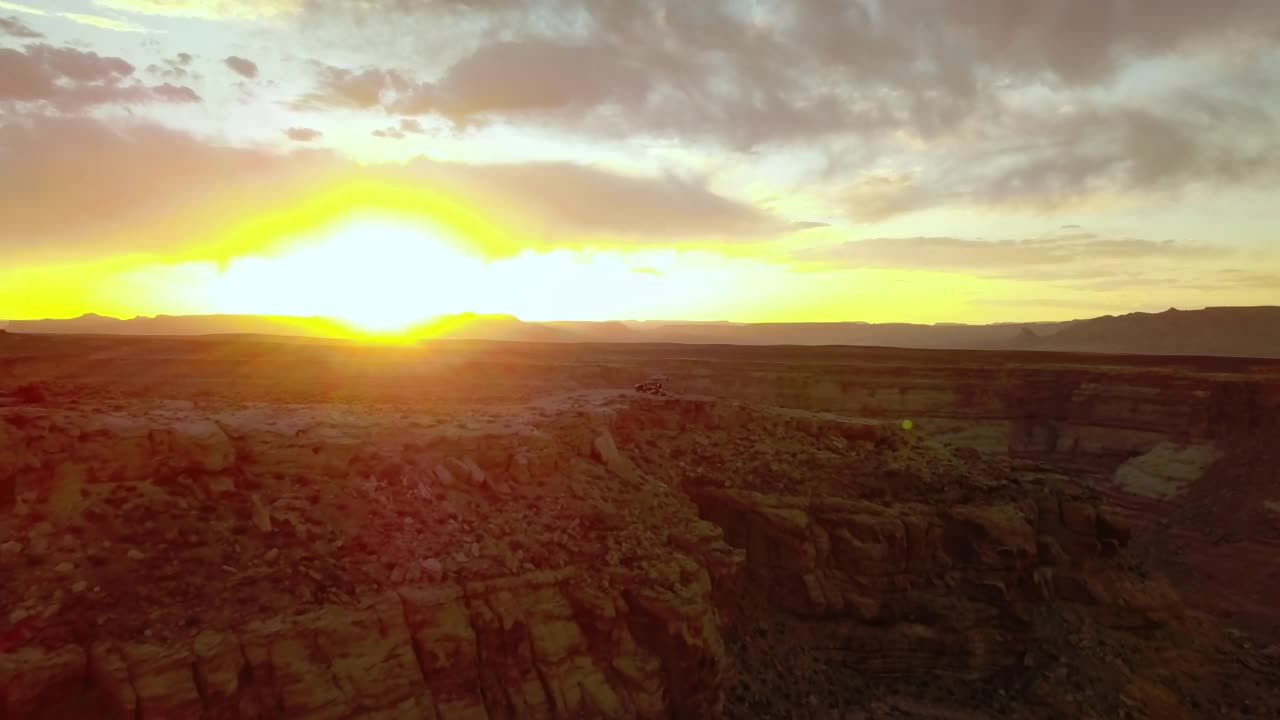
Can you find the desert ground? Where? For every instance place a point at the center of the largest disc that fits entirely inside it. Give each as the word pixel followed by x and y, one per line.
pixel 246 528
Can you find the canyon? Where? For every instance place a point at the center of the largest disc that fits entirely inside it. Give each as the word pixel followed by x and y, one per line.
pixel 240 528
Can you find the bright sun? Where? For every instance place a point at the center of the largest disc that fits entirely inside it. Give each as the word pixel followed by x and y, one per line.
pixel 378 274
pixel 381 273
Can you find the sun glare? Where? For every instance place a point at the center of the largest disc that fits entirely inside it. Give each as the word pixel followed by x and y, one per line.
pixel 380 275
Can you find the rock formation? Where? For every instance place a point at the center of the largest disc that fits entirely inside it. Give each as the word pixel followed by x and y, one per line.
pixel 257 551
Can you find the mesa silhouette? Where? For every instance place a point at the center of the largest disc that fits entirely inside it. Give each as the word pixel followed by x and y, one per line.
pixel 1215 331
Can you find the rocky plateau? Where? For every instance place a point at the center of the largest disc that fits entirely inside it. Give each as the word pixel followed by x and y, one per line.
pixel 198 528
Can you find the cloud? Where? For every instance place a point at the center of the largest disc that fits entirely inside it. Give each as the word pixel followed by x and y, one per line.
pixel 175 68
pixel 105 23
pixel 77 187
pixel 14 27
pixel 980 103
pixel 1078 263
pixel 71 80
pixel 361 90
pixel 137 187
pixel 302 134
pixel 407 126
pixel 99 21
pixel 1011 258
pixel 1053 160
pixel 1129 149
pixel 791 72
pixel 564 200
pixel 78 65
pixel 878 195
pixel 1022 303
pixel 529 76
pixel 242 67
pixel 600 90
pixel 19 7
pixel 1236 278
pixel 1124 281
pixel 206 9
pixel 175 93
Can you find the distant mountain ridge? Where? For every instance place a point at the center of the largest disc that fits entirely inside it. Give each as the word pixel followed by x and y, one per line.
pixel 1232 331
pixel 1228 331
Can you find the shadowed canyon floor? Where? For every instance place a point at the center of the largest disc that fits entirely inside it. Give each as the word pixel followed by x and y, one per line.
pixel 246 529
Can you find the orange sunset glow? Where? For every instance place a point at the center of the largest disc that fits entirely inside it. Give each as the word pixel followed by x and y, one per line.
pixel 288 158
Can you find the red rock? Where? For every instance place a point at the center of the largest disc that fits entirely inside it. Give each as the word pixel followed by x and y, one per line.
pixel 1079 517
pixel 34 677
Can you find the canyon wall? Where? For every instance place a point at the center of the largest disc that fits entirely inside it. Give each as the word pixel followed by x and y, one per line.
pixel 540 645
pixel 579 551
pixel 1072 416
pixel 1181 454
pixel 333 563
pixel 584 561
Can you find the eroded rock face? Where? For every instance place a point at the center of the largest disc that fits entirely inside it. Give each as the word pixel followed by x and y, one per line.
pixel 938 586
pixel 954 525
pixel 541 645
pixel 330 563
pixel 1180 452
pixel 609 557
pixel 1071 414
pixel 960 566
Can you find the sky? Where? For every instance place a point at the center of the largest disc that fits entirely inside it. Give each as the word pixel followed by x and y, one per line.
pixel 383 161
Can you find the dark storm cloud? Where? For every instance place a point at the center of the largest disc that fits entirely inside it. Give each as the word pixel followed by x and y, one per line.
pixel 71 80
pixel 242 66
